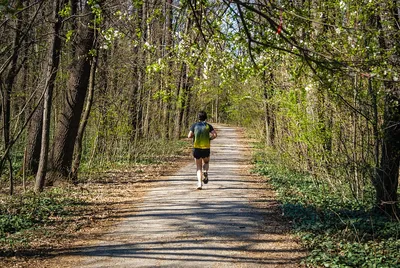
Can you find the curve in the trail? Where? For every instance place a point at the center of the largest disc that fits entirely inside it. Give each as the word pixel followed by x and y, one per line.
pixel 219 226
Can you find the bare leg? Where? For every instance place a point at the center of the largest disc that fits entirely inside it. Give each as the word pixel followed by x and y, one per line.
pixel 205 169
pixel 206 164
pixel 199 172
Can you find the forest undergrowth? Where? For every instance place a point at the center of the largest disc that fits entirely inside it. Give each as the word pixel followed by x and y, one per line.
pixel 337 229
pixel 39 225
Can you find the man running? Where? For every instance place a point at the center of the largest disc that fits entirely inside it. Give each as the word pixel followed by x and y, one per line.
pixel 202 133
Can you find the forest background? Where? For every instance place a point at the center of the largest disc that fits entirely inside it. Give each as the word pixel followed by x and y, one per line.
pixel 87 84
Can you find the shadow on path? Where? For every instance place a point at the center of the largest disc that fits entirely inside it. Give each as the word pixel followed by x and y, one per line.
pixel 227 224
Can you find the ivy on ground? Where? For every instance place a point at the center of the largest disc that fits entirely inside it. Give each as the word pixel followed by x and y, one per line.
pixel 23 212
pixel 337 230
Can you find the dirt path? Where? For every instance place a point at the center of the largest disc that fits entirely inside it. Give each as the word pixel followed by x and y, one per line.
pixel 232 222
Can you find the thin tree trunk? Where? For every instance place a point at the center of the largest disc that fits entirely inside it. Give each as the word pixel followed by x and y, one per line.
pixel 24 172
pixel 6 90
pixel 167 50
pixel 269 113
pixel 375 127
pixel 178 103
pixel 78 146
pixel 147 117
pixel 51 72
pixel 187 107
pixel 182 112
pixel 136 112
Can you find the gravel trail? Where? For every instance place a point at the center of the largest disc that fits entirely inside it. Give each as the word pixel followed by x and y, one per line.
pixel 232 222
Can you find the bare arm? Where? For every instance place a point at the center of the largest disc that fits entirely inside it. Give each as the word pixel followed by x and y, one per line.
pixel 213 134
pixel 190 135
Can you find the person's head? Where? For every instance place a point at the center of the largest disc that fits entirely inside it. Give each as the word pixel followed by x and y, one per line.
pixel 202 116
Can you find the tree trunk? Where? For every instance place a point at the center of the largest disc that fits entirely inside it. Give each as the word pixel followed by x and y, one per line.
pixel 100 146
pixel 50 76
pixel 168 43
pixel 179 101
pixel 68 121
pixel 35 124
pixel 78 146
pixel 185 120
pixel 33 141
pixel 6 90
pixel 387 181
pixel 269 113
pixel 187 86
pixel 136 112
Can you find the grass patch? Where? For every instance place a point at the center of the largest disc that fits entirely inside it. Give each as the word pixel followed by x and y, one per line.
pixel 338 230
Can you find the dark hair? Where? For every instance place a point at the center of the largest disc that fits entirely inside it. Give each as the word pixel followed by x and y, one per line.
pixel 202 116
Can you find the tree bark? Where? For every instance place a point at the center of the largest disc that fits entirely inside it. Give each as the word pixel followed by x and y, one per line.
pixel 168 43
pixel 33 141
pixel 185 120
pixel 82 126
pixel 68 121
pixel 50 76
pixel 6 90
pixel 136 98
pixel 35 124
pixel 269 112
pixel 178 102
pixel 387 181
pixel 187 83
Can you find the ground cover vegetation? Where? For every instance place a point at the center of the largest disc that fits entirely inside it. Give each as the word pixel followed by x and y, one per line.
pixel 88 84
pixel 338 230
pixel 29 212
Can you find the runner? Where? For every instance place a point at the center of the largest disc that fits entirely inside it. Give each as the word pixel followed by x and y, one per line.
pixel 202 133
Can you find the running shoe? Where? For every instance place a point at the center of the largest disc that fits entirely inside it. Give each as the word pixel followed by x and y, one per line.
pixel 205 177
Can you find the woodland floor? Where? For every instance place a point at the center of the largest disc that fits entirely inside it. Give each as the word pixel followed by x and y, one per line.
pixel 153 216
